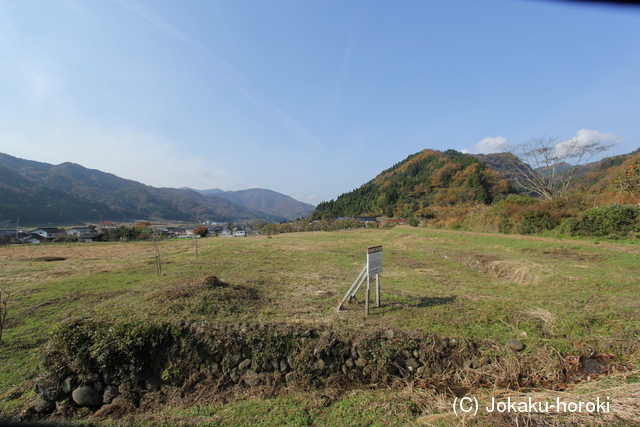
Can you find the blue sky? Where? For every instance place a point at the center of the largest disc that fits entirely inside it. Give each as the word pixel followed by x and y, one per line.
pixel 307 98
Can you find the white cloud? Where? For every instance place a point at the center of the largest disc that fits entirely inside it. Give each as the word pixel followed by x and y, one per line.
pixel 491 145
pixel 41 82
pixel 488 145
pixel 584 137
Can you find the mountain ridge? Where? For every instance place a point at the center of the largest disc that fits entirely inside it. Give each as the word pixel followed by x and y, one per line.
pixel 38 191
pixel 265 200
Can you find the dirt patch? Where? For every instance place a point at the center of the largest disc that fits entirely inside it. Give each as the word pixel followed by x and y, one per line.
pixel 567 253
pixel 323 293
pixel 50 258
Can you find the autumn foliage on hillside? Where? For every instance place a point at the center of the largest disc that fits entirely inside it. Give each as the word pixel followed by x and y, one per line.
pixel 427 178
pixel 609 209
pixel 453 190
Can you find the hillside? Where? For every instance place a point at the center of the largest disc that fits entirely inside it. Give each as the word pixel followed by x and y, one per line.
pixel 602 173
pixel 264 200
pixel 423 179
pixel 35 191
pixel 31 202
pixel 596 175
pixel 504 163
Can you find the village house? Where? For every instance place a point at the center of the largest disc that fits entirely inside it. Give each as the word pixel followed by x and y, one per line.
pixel 91 237
pixel 77 231
pixel 47 233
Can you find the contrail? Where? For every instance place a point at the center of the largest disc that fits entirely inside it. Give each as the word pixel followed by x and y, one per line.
pixel 237 79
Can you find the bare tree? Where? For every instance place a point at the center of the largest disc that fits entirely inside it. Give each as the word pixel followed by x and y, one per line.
pixel 158 257
pixel 548 166
pixel 4 299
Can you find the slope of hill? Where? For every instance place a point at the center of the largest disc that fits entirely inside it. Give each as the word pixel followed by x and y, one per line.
pixel 595 175
pixel 602 173
pixel 90 194
pixel 25 199
pixel 506 164
pixel 268 201
pixel 426 178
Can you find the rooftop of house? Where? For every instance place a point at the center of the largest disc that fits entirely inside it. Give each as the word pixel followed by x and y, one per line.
pixel 48 230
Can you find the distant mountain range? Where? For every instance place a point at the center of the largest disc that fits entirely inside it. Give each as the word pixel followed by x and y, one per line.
pixel 264 200
pixel 41 192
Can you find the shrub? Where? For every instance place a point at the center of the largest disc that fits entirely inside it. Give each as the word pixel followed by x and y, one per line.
pixel 567 226
pixel 413 221
pixel 505 226
pixel 122 350
pixel 536 221
pixel 614 221
pixel 519 200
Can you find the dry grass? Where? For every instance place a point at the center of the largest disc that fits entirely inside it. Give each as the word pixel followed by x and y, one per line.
pixel 518 271
pixel 623 408
pixel 457 284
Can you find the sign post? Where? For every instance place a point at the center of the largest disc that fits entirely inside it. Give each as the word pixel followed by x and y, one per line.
pixel 373 267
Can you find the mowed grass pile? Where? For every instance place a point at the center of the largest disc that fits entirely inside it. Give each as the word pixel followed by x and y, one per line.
pixel 576 297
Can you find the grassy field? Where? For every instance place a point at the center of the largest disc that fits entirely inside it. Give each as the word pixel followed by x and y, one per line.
pixel 576 297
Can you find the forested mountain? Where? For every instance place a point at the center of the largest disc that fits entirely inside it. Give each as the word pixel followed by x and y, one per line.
pixel 266 201
pixel 505 163
pixel 25 199
pixel 35 191
pixel 423 179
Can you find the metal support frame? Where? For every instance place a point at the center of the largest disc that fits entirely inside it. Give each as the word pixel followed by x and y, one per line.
pixel 357 284
pixel 351 293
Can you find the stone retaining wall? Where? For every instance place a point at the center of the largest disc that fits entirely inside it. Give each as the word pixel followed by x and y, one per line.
pixel 93 364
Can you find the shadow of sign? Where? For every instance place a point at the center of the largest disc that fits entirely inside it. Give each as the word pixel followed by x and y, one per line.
pixel 424 302
pixel 432 302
